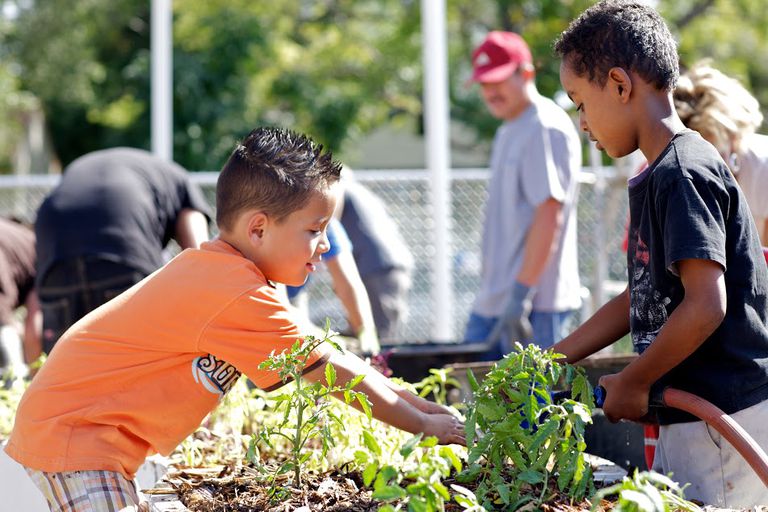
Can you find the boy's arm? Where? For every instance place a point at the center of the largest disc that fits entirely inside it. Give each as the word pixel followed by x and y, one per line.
pixel 390 403
pixel 610 323
pixel 350 290
pixel 690 324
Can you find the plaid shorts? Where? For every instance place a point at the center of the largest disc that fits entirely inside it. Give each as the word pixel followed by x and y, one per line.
pixel 87 491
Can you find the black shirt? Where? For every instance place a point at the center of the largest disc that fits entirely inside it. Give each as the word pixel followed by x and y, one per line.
pixel 687 205
pixel 117 204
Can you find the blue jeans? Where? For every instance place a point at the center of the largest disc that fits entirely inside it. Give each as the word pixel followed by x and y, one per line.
pixel 549 327
pixel 75 287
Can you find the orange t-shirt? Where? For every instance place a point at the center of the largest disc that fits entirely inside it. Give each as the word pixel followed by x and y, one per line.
pixel 139 374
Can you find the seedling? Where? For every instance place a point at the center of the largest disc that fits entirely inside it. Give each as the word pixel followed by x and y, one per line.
pixel 437 384
pixel 419 487
pixel 646 491
pixel 518 439
pixel 306 411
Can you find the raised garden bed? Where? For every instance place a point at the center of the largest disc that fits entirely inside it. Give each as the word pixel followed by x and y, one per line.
pixel 358 464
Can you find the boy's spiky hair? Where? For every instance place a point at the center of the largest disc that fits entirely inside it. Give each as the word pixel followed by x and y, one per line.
pixel 274 170
pixel 620 33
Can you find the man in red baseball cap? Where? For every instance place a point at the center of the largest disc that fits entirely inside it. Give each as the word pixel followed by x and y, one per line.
pixel 530 280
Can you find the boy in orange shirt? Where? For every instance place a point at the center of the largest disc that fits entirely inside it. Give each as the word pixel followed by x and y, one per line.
pixel 139 374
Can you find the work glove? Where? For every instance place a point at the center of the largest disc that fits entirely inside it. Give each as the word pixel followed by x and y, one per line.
pixel 514 323
pixel 369 341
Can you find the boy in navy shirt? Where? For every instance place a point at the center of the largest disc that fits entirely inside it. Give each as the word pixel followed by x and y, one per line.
pixel 696 303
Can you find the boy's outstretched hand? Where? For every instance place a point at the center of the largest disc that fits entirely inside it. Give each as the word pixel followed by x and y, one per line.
pixel 448 429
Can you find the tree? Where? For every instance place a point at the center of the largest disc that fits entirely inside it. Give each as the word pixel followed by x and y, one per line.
pixel 732 33
pixel 335 69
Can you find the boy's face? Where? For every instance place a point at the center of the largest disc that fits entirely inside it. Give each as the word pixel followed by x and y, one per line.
pixel 602 112
pixel 291 248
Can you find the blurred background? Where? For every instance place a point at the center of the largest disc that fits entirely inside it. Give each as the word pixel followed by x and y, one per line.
pixel 75 76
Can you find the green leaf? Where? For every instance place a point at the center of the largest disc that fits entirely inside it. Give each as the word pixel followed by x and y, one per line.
pixel 469 474
pixel 369 473
pixel 428 442
pixel 641 501
pixel 418 504
pixel 330 374
pixel 659 480
pixel 546 432
pixel 410 445
pixel 503 491
pixel 532 477
pixel 370 442
pixel 513 452
pixel 334 344
pixel 365 404
pixel 357 379
pixel 472 381
pixel 448 453
pixel 654 495
pixel 480 449
pixel 442 490
pixel 461 500
pixel 388 493
pixel 470 427
pixel 362 457
pixel 253 454
pixel 566 472
pixel 386 474
pixel 490 410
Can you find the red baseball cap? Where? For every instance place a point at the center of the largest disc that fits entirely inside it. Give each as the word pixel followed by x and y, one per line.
pixel 499 56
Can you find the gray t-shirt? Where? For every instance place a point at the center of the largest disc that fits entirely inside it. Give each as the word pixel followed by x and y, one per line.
pixel 534 157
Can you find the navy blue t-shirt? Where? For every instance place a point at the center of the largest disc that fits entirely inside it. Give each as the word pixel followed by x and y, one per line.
pixel 687 205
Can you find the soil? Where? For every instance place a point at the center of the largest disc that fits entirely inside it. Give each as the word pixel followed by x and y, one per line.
pixel 240 489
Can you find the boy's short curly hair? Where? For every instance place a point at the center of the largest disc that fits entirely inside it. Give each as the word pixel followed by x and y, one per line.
pixel 620 33
pixel 273 170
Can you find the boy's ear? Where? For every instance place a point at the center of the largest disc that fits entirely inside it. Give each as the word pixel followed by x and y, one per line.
pixel 256 225
pixel 620 82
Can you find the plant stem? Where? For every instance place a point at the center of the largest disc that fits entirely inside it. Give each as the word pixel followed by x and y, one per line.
pixel 297 437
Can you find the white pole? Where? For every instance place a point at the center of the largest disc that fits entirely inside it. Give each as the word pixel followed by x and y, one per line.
pixel 162 78
pixel 436 127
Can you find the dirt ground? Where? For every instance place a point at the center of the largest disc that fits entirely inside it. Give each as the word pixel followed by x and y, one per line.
pixel 240 489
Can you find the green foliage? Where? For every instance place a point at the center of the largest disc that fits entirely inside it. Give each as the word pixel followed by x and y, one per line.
pixel 420 488
pixel 646 491
pixel 518 438
pixel 11 390
pixel 306 411
pixel 437 384
pixel 336 70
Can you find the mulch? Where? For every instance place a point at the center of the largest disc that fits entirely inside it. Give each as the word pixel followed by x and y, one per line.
pixel 243 489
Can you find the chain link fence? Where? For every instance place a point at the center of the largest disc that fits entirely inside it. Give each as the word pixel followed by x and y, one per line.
pixel 602 214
